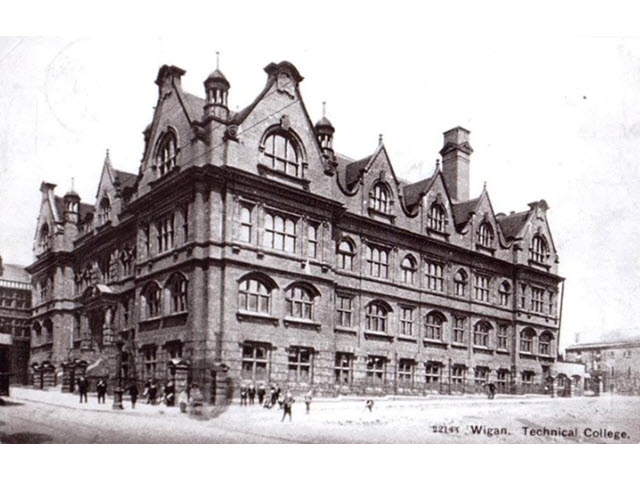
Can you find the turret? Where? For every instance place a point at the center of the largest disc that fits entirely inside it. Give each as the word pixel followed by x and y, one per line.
pixel 217 91
pixel 71 202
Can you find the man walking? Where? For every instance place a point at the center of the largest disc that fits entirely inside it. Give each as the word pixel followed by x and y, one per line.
pixel 261 393
pixel 101 387
pixel 133 391
pixel 287 403
pixel 252 394
pixel 82 389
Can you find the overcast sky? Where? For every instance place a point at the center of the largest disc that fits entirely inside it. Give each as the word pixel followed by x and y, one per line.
pixel 553 118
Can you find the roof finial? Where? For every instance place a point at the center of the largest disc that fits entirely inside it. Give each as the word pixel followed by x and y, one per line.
pixel 217 60
pixel 380 139
pixel 107 156
pixel 72 184
pixel 484 187
pixel 324 109
pixel 437 164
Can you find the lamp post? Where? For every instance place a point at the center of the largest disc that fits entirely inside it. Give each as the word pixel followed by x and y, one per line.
pixel 118 391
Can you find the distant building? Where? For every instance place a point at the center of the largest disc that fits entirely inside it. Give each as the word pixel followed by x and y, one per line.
pixel 15 318
pixel 246 249
pixel 613 363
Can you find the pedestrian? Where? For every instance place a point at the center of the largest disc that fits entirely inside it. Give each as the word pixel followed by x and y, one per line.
pixel 145 393
pixel 307 400
pixel 272 396
pixel 82 388
pixel 287 403
pixel 261 393
pixel 170 393
pixel 133 392
pixel 153 392
pixel 183 401
pixel 101 388
pixel 252 394
pixel 369 405
pixel 492 391
pixel 278 392
pixel 243 396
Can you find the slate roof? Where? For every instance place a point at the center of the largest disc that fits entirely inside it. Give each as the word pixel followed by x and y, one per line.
pixel 194 105
pixel 611 339
pixel 125 179
pixel 15 273
pixel 512 224
pixel 462 210
pixel 354 170
pixel 413 191
pixel 85 208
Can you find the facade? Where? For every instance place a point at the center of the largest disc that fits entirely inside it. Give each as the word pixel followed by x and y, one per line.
pixel 247 250
pixel 15 320
pixel 613 365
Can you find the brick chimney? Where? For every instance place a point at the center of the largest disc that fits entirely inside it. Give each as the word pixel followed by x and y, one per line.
pixel 455 163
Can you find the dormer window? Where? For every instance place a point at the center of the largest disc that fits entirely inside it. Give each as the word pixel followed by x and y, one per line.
pixel 280 154
pixel 45 237
pixel 539 249
pixel 166 154
pixel 379 199
pixel 104 211
pixel 485 234
pixel 436 218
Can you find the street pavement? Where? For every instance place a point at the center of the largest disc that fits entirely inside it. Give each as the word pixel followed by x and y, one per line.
pixel 37 416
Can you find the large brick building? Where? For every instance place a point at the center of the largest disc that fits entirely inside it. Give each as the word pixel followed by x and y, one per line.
pixel 247 250
pixel 15 320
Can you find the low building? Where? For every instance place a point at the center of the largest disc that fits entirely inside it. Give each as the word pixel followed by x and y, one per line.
pixel 15 318
pixel 612 363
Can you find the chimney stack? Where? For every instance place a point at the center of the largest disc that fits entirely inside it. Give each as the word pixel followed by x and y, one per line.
pixel 455 163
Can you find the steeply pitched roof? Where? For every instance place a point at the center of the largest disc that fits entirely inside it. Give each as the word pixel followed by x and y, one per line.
pixel 414 191
pixel 125 179
pixel 84 209
pixel 194 105
pixel 355 169
pixel 15 273
pixel 512 224
pixel 462 210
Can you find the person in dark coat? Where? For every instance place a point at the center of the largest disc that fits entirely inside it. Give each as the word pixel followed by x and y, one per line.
pixel 153 392
pixel 369 404
pixel 492 391
pixel 133 392
pixel 243 396
pixel 170 394
pixel 261 393
pixel 252 394
pixel 101 388
pixel 287 403
pixel 82 388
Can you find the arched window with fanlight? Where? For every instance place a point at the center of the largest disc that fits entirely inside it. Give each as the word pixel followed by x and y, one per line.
pixel 481 334
pixel 485 234
pixel 280 152
pixel 254 295
pixel 151 304
pixel 299 302
pixel 178 296
pixel 526 340
pixel 346 253
pixel 460 280
pixel 539 250
pixel 433 326
pixel 166 154
pixel 408 268
pixel 505 293
pixel 436 218
pixel 379 198
pixel 545 343
pixel 377 315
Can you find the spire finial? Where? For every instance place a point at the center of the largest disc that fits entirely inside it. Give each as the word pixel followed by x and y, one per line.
pixel 437 164
pixel 380 139
pixel 217 60
pixel 72 184
pixel 107 156
pixel 324 109
pixel 484 187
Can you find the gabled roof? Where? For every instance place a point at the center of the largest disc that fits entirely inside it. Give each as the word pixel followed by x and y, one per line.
pixel 15 273
pixel 124 179
pixel 414 191
pixel 512 224
pixel 84 208
pixel 355 169
pixel 462 210
pixel 194 105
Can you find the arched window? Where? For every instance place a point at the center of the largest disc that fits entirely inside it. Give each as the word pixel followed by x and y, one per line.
pixel 346 252
pixel 408 267
pixel 378 261
pixel 485 234
pixel 152 300
pixel 177 287
pixel 300 303
pixel 526 340
pixel 104 211
pixel 47 325
pixel 436 218
pixel 544 343
pixel 281 154
pixel 379 198
pixel 539 250
pixel 254 296
pixel 166 154
pixel 377 317
pixel 481 334
pixel 505 293
pixel 36 332
pixel 45 237
pixel 460 282
pixel 433 326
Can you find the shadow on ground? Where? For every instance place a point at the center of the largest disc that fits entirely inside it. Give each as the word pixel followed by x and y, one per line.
pixel 7 403
pixel 25 437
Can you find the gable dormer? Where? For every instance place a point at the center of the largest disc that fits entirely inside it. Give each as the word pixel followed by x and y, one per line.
pixel 437 212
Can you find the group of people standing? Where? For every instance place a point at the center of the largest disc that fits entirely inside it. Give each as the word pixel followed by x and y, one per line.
pixel 249 392
pixel 83 389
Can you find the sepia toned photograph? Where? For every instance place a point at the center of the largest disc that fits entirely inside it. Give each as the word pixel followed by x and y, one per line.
pixel 419 240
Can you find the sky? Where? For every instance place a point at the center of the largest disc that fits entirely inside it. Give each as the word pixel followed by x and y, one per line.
pixel 554 117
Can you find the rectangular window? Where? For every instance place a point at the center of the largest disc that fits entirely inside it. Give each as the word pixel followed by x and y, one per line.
pixel 149 355
pixel 344 306
pixel 405 372
pixel 458 330
pixel 246 224
pixel 544 345
pixel 300 364
pixel 503 337
pixel 537 299
pixel 146 238
pixel 312 240
pixel 255 362
pixel 434 275
pixel 523 296
pixel 481 376
pixel 527 381
pixel 406 322
pixel 502 381
pixel 457 374
pixel 433 372
pixel 185 224
pixel 174 350
pixel 481 288
pixel 378 261
pixel 550 303
pixel 165 234
pixel 343 368
pixel 279 233
pixel 375 371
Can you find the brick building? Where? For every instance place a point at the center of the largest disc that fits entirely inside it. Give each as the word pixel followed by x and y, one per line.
pixel 15 319
pixel 613 363
pixel 247 250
